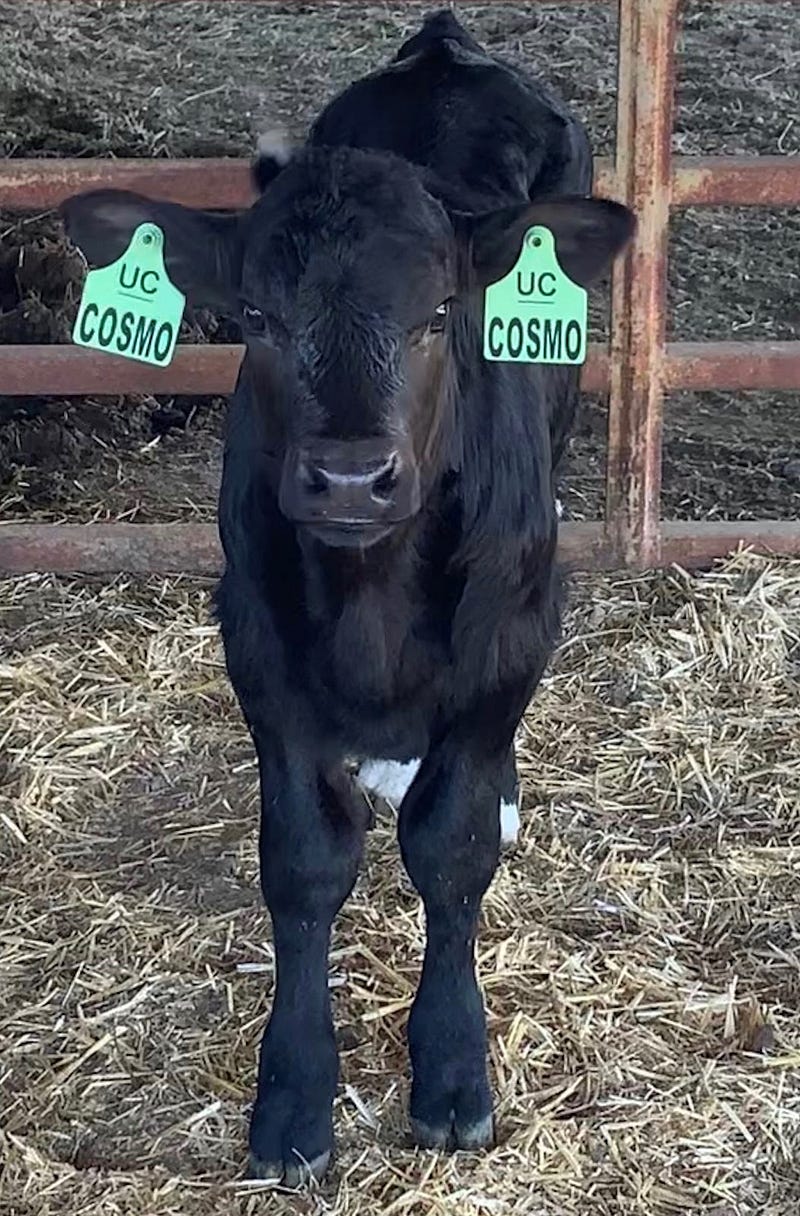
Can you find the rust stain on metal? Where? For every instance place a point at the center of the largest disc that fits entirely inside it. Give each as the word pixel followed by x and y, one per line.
pixel 224 182
pixel 733 365
pixel 644 176
pixel 741 181
pixel 194 548
pixel 41 184
pixel 41 371
pixel 219 182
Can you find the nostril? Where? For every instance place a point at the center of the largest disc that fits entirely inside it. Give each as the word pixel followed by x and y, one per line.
pixel 387 479
pixel 313 479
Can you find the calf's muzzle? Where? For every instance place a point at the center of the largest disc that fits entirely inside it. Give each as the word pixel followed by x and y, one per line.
pixel 350 491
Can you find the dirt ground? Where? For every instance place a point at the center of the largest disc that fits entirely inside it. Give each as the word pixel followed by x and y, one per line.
pixel 174 79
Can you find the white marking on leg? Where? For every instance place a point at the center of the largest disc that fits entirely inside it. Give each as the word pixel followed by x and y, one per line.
pixel 559 509
pixel 509 822
pixel 389 779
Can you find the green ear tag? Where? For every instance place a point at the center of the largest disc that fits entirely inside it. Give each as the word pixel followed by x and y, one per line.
pixel 130 308
pixel 535 314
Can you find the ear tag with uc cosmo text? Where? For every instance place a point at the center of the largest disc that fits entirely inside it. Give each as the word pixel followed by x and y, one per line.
pixel 535 314
pixel 130 308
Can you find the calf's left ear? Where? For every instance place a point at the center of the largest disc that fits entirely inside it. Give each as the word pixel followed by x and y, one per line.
pixel 202 250
pixel 588 232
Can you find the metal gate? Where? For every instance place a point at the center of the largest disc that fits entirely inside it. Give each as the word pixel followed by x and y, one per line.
pixel 637 370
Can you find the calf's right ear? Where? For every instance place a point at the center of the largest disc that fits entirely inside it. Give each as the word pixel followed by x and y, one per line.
pixel 202 250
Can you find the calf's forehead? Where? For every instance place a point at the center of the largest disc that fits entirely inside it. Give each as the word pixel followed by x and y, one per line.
pixel 349 249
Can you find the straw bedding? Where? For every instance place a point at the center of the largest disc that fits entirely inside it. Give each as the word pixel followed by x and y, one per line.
pixel 639 952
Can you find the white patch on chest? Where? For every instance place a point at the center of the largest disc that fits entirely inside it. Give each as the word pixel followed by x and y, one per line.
pixel 391 779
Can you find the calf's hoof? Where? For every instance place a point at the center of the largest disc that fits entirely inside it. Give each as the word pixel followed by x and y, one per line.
pixel 289 1173
pixel 289 1145
pixel 450 1118
pixel 454 1134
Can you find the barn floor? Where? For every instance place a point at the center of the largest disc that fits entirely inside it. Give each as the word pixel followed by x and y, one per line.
pixel 639 952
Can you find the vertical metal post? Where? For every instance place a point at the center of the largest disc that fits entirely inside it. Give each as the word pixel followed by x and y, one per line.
pixel 645 98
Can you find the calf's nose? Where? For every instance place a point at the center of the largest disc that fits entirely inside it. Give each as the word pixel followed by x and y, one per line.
pixel 357 489
pixel 355 482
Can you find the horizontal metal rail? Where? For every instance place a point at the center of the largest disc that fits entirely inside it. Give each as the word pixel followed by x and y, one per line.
pixel 193 548
pixel 72 371
pixel 733 366
pixel 224 182
pixel 735 181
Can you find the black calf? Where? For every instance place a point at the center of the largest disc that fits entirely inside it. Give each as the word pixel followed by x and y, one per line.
pixel 388 519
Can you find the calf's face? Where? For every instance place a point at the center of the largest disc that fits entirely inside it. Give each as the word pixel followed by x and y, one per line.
pixel 348 278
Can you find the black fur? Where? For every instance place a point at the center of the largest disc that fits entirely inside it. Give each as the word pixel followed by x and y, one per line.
pixel 416 186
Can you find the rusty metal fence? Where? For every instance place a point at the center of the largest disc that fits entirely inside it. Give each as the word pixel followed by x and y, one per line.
pixel 639 368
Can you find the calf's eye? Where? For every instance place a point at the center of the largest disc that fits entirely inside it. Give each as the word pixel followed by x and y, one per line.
pixel 440 316
pixel 434 325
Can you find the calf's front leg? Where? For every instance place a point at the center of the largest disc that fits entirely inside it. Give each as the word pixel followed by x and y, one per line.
pixel 310 845
pixel 450 837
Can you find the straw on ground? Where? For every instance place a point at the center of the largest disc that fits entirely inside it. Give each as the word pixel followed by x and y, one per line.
pixel 639 952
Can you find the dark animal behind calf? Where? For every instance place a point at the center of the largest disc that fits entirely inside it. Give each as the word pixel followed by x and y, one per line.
pixel 387 514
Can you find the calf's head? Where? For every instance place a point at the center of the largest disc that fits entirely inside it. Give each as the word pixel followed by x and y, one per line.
pixel 350 278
